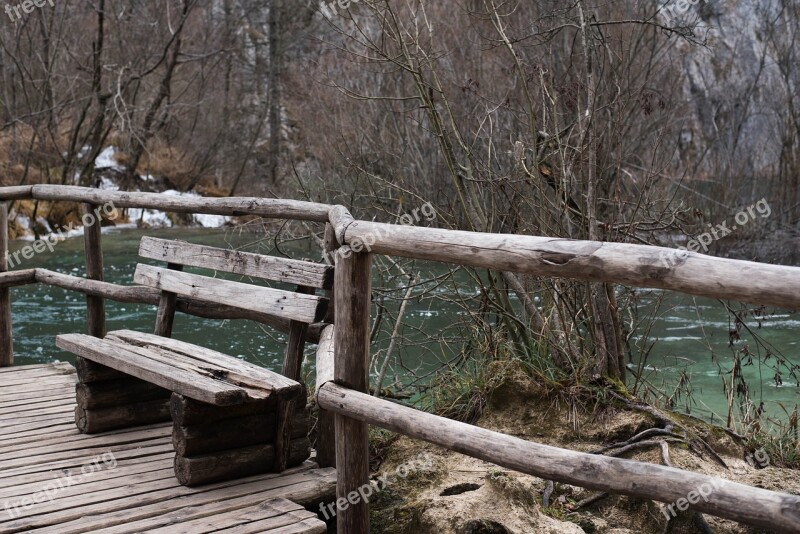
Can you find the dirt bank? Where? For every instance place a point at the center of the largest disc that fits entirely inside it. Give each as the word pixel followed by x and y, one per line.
pixel 461 495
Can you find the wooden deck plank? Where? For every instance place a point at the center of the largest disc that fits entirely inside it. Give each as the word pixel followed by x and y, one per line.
pixel 70 433
pixel 28 484
pixel 138 491
pixel 57 368
pixel 307 526
pixel 30 383
pixel 47 447
pixel 41 465
pixel 220 515
pixel 163 494
pixel 54 393
pixel 33 406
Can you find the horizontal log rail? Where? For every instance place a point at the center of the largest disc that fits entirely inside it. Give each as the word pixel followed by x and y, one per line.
pixel 593 261
pixel 231 206
pixel 779 512
pixel 17 278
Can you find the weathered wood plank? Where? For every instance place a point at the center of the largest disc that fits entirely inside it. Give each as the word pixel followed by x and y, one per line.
pixel 81 442
pixel 240 372
pixel 307 526
pixel 61 462
pixel 50 369
pixel 140 448
pixel 305 308
pixel 232 206
pixel 755 506
pixel 6 340
pixel 296 272
pixel 27 485
pixel 300 485
pixel 148 295
pixel 235 463
pixel 351 338
pixel 120 358
pixel 196 519
pixel 267 517
pixel 53 367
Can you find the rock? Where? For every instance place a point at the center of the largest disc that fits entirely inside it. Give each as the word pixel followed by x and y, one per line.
pixel 482 526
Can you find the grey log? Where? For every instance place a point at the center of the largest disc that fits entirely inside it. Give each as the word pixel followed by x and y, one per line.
pixel 779 512
pixel 352 288
pixel 235 463
pixel 232 206
pixel 6 340
pixel 136 414
pixel 593 261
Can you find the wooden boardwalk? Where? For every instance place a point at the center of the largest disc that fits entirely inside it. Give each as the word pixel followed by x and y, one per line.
pixel 54 479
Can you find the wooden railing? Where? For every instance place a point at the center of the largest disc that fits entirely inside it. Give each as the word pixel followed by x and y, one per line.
pixel 343 354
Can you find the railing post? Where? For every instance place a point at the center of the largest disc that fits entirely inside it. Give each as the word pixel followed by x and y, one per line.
pixel 352 288
pixel 6 341
pixel 326 426
pixel 95 306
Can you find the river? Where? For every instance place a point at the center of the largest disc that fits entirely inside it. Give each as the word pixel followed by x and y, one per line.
pixel 688 338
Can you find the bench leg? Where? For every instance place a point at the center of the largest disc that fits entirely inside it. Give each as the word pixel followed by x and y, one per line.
pixel 109 400
pixel 215 443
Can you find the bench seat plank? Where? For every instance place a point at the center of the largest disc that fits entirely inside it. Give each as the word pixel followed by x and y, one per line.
pixel 240 372
pixel 206 385
pixel 287 304
pixel 302 273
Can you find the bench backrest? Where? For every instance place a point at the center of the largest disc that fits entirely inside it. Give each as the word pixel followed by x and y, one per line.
pixel 300 307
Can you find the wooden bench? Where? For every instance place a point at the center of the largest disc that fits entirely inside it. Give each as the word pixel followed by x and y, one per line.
pixel 230 418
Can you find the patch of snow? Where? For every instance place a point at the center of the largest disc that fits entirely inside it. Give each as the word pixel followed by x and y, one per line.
pixel 211 221
pixel 200 219
pixel 107 184
pixel 152 218
pixel 105 160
